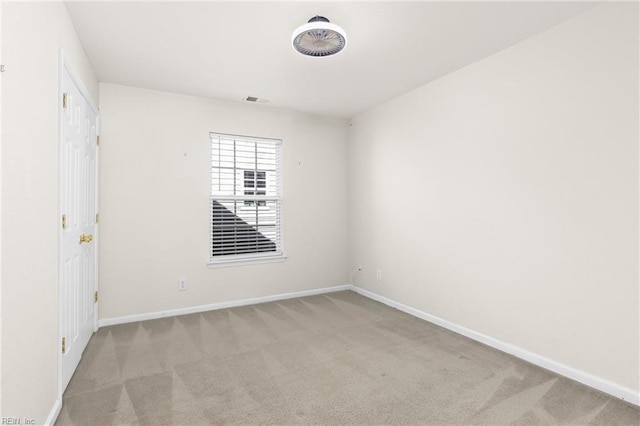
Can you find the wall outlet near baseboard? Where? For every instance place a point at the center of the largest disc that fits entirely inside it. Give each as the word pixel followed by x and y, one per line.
pixel 379 274
pixel 182 284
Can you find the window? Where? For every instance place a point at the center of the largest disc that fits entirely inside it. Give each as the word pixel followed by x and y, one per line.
pixel 255 179
pixel 246 192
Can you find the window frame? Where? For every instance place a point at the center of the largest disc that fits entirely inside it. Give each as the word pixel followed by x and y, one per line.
pixel 256 257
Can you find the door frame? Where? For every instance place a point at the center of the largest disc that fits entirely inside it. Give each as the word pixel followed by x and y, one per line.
pixel 64 65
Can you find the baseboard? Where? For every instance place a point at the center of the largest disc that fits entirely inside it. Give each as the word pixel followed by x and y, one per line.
pixel 585 378
pixel 54 413
pixel 222 305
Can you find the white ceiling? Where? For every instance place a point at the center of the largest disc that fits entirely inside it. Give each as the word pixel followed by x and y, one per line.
pixel 230 50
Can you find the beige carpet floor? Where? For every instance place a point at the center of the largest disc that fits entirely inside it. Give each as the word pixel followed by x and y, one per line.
pixel 338 358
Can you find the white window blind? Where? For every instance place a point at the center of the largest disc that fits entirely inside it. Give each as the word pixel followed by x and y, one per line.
pixel 246 192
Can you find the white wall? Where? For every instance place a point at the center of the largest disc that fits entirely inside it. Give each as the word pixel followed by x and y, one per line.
pixel 1 56
pixel 504 196
pixel 155 160
pixel 32 33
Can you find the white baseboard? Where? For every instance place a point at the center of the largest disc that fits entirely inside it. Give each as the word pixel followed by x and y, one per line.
pixel 583 377
pixel 54 413
pixel 222 305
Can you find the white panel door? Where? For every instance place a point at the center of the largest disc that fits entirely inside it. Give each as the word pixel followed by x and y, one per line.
pixel 78 206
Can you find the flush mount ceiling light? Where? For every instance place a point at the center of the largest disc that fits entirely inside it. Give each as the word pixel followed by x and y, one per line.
pixel 319 37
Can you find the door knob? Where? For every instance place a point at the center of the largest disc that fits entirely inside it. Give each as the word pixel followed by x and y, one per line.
pixel 86 238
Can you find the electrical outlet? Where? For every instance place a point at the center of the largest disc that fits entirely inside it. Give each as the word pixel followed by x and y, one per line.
pixel 182 284
pixel 379 274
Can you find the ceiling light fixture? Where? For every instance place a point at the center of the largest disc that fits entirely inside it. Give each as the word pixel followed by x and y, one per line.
pixel 319 37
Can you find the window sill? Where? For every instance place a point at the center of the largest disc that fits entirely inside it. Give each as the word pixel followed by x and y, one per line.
pixel 246 262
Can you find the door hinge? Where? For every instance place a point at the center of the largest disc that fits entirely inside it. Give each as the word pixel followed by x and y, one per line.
pixel 64 100
pixel 64 345
pixel 95 297
pixel 64 221
pixel 98 140
pixel 97 217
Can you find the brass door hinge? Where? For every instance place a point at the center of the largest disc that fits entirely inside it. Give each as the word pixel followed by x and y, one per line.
pixel 64 100
pixel 64 221
pixel 95 297
pixel 98 140
pixel 97 217
pixel 64 345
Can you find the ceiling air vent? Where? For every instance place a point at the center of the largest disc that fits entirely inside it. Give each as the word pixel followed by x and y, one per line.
pixel 256 100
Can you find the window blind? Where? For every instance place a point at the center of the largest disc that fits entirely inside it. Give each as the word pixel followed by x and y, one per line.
pixel 246 192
